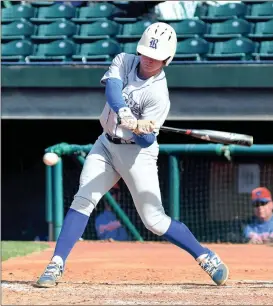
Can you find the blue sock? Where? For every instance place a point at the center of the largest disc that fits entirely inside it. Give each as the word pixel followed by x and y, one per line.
pixel 72 230
pixel 179 234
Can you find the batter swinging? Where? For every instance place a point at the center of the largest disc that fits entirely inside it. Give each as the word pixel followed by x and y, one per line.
pixel 137 98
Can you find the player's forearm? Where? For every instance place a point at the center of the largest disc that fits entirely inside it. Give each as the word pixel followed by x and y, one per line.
pixel 115 100
pixel 145 140
pixel 113 92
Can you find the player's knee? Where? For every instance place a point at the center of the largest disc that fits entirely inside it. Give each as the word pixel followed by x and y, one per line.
pixel 158 225
pixel 83 205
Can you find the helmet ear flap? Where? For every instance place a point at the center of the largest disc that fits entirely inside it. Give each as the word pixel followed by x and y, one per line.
pixel 166 61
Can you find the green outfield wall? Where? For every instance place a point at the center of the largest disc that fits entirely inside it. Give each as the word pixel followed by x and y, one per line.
pixel 197 92
pixel 179 76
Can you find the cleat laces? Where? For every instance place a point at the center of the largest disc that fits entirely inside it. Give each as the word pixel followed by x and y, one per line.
pixel 53 269
pixel 210 265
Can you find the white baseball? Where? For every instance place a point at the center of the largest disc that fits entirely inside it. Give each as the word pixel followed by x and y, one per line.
pixel 50 159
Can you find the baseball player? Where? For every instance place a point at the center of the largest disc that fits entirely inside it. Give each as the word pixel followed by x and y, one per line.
pixel 137 103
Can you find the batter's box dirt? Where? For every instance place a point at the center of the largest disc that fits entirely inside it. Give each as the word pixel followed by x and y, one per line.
pixel 140 274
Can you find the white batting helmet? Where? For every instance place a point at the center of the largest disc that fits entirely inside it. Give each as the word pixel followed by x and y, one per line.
pixel 158 42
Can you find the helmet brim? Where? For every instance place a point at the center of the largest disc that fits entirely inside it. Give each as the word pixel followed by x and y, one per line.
pixel 152 53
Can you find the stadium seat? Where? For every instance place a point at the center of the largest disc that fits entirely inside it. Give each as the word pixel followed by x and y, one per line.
pixel 96 11
pixel 53 13
pixel 129 47
pixel 188 28
pixel 122 4
pixel 60 29
pixel 233 49
pixel 228 29
pixel 225 11
pixel 123 20
pixel 16 50
pixel 101 29
pixel 192 49
pixel 48 3
pixel 19 29
pixel 133 31
pixel 124 7
pixel 100 50
pixel 263 31
pixel 42 3
pixel 16 12
pixel 260 11
pixel 58 50
pixel 265 51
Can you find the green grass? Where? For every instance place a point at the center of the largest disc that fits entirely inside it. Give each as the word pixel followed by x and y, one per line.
pixel 20 248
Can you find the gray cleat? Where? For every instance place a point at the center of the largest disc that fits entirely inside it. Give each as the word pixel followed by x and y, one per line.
pixel 51 275
pixel 213 265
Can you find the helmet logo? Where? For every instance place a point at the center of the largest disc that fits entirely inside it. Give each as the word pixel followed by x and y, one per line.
pixel 153 43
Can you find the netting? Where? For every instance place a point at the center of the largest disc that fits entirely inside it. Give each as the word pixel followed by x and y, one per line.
pixel 215 195
pixel 215 198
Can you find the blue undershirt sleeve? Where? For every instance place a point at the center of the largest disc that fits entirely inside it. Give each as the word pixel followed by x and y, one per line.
pixel 113 92
pixel 145 140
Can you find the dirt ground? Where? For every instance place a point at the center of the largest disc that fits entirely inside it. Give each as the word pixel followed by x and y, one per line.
pixel 122 273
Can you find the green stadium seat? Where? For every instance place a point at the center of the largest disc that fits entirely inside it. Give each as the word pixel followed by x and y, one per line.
pixel 133 31
pixel 16 50
pixel 189 28
pixel 101 29
pixel 17 12
pixel 100 50
pixel 61 29
pixel 130 47
pixel 225 11
pixel 265 51
pixel 201 10
pixel 260 11
pixel 19 29
pixel 233 49
pixel 96 11
pixel 123 20
pixel 192 49
pixel 53 13
pixel 228 29
pixel 263 31
pixel 122 4
pixel 58 50
pixel 41 3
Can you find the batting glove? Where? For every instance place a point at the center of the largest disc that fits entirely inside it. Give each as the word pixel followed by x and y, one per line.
pixel 126 119
pixel 145 127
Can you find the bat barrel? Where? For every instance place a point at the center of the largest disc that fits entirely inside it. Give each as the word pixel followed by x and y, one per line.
pixel 223 137
pixel 214 136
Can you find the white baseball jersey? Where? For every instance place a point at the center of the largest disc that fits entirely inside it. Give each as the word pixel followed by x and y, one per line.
pixel 147 99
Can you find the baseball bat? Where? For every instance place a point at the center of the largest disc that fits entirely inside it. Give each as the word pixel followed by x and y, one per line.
pixel 214 136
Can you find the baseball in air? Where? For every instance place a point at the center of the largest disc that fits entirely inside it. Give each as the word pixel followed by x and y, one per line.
pixel 50 159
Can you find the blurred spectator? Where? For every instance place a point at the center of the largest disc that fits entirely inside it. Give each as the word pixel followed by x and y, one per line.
pixel 107 224
pixel 176 10
pixel 260 230
pixel 136 9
